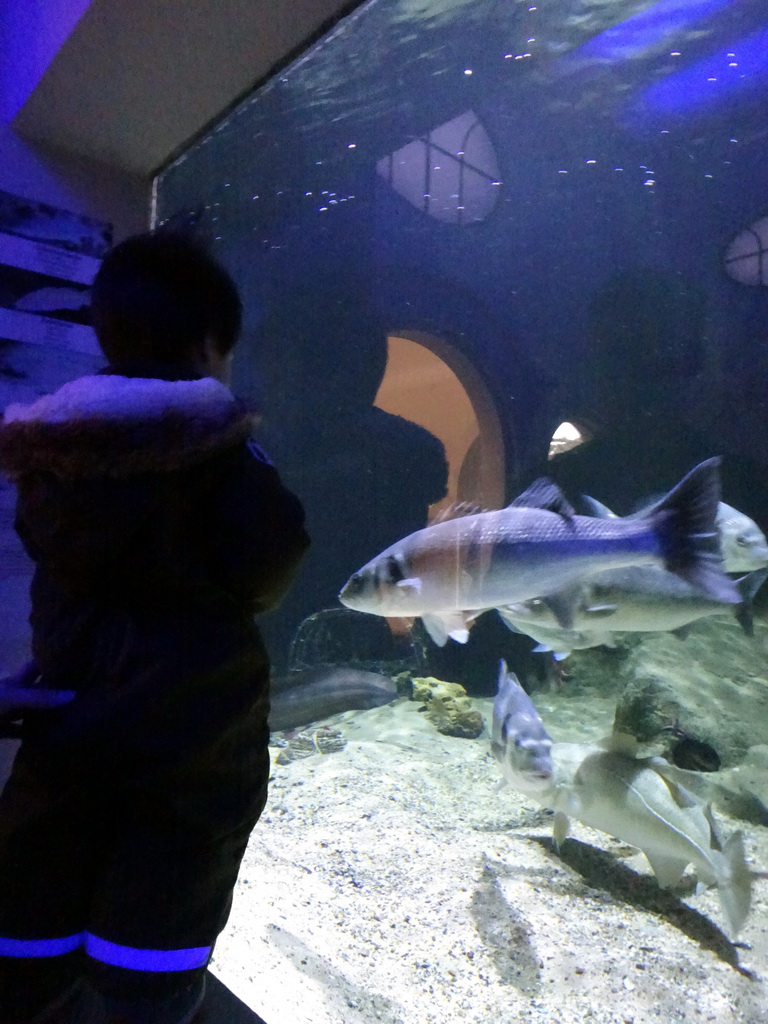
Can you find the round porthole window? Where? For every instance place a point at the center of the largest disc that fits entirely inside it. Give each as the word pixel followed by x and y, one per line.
pixel 746 258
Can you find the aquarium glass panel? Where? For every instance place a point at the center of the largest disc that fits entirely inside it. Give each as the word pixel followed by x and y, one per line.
pixel 504 269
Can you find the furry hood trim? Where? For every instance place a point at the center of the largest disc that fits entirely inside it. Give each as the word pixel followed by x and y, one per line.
pixel 108 425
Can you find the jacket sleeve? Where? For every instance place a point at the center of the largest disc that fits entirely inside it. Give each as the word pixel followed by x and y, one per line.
pixel 258 532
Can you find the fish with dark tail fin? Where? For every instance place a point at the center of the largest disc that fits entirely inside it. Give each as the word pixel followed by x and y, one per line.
pixel 449 572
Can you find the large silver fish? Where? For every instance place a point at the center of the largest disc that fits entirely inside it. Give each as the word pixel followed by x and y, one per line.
pixel 519 741
pixel 448 572
pixel 742 542
pixel 633 599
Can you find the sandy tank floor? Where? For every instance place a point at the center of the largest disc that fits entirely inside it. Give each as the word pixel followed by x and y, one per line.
pixel 391 882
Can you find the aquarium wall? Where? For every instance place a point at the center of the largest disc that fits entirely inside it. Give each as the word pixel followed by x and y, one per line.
pixel 480 242
pixel 562 204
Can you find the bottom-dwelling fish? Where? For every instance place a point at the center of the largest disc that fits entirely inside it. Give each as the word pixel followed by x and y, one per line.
pixel 303 697
pixel 643 801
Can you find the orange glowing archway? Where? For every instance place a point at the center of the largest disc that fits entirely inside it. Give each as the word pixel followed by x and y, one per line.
pixel 430 382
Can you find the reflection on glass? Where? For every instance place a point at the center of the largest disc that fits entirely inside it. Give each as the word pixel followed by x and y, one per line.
pixel 459 227
pixel 451 173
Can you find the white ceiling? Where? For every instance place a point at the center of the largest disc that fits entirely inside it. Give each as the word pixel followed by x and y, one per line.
pixel 137 78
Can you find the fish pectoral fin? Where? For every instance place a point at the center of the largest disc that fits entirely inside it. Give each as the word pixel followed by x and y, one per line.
pixel 561 607
pixel 560 828
pixel 412 584
pixel 442 626
pixel 668 870
pixel 748 586
pixel 681 796
pixel 601 611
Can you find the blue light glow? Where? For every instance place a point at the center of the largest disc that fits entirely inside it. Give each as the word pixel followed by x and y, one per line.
pixel 36 948
pixel 662 22
pixel 711 80
pixel 146 959
pixel 31 34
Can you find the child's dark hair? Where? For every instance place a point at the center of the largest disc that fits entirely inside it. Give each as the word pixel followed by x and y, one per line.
pixel 157 297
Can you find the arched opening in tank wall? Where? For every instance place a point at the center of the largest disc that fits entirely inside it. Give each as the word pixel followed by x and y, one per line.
pixel 430 382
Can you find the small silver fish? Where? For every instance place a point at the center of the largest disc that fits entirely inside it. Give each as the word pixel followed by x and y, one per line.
pixel 448 572
pixel 519 741
pixel 743 544
pixel 634 599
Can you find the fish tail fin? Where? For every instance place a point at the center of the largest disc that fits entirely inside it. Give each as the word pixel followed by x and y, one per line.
pixel 685 523
pixel 735 890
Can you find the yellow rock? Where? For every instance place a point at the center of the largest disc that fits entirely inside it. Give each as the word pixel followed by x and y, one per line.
pixel 427 687
pixel 448 707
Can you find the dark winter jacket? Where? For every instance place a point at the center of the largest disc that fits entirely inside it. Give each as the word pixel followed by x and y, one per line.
pixel 157 531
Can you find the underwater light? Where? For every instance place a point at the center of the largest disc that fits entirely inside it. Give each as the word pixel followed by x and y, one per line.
pixel 746 258
pixel 462 187
pixel 566 437
pixel 710 81
pixel 642 32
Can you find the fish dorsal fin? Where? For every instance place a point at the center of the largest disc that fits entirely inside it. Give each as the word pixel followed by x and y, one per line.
pixel 597 508
pixel 457 511
pixel 620 743
pixel 544 494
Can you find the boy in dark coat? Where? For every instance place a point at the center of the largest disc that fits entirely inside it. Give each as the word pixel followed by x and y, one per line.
pixel 157 531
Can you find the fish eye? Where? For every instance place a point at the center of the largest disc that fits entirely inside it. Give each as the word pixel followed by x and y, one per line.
pixel 741 540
